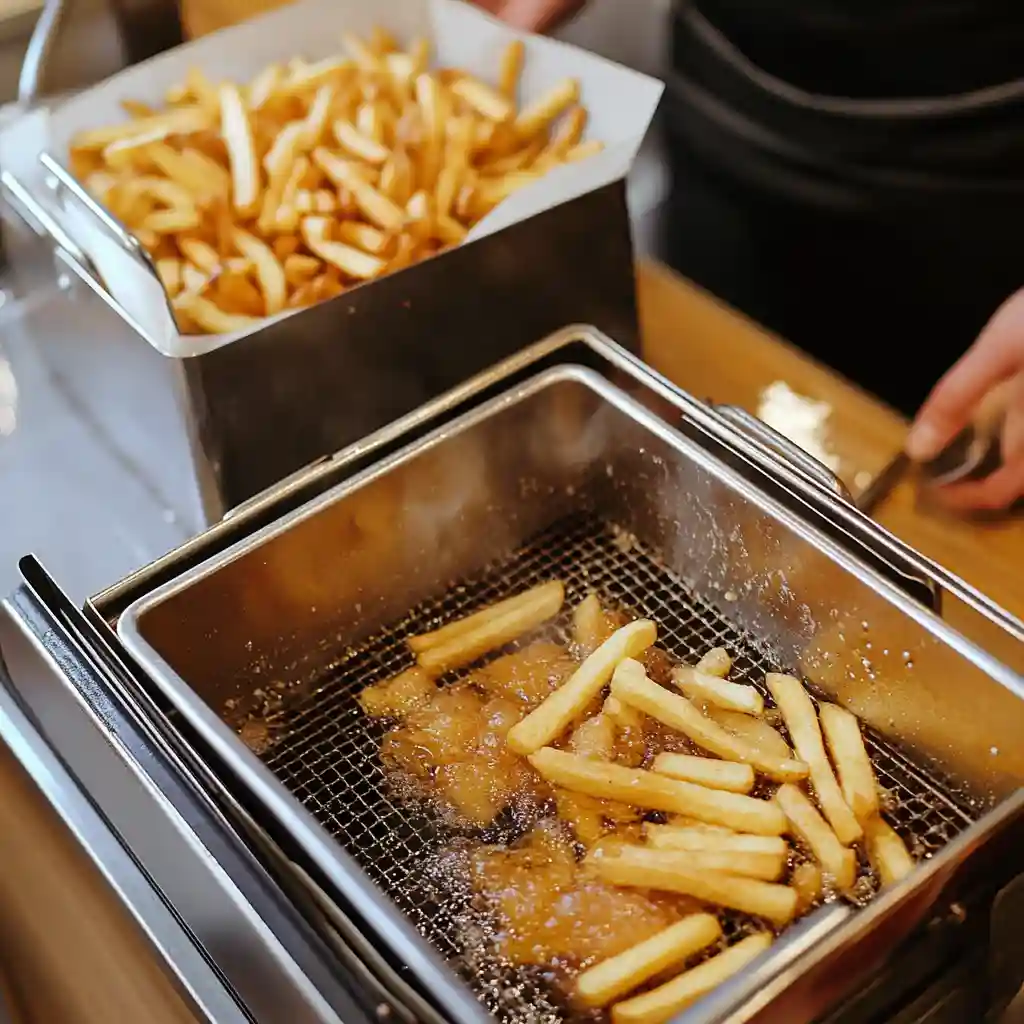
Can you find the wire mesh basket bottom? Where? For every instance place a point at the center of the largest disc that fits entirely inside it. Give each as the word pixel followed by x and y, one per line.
pixel 327 753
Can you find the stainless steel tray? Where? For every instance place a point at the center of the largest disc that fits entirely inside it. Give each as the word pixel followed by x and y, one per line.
pixel 777 557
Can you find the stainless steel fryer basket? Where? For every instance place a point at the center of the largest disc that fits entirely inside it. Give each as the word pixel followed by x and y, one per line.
pixel 566 473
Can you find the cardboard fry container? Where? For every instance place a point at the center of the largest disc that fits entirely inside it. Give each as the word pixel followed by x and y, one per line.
pixel 259 405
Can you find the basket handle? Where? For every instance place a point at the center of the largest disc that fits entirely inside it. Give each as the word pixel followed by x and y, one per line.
pixel 767 436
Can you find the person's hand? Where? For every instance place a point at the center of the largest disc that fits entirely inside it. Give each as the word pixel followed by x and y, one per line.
pixel 995 362
pixel 532 15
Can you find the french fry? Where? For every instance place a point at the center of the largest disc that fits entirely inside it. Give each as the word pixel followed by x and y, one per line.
pixel 550 719
pixel 536 117
pixel 171 221
pixel 350 261
pixel 671 871
pixel 641 788
pixel 700 839
pixel 887 852
pixel 754 731
pixel 706 771
pixel 838 863
pixel 716 662
pixel 235 293
pixel 801 721
pixel 588 624
pixel 211 317
pixel 353 141
pixel 181 121
pixel 671 947
pixel 484 100
pixel 470 623
pixel 632 686
pixel 708 689
pixel 269 271
pixel 853 766
pixel 510 68
pixel 469 645
pixel 623 715
pixel 363 236
pixel 808 883
pixel 298 269
pixel 169 272
pixel 200 253
pixel 245 171
pixel 663 1003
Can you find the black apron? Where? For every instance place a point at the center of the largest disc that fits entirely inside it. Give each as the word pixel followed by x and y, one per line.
pixel 851 174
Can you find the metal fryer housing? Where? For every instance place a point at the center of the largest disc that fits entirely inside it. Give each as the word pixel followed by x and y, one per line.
pixel 358 557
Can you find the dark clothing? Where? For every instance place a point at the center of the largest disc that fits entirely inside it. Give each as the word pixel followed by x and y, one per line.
pixel 851 173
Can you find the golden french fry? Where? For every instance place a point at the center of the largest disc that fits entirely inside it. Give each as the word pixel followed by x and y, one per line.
pixel 655 792
pixel 801 721
pixel 632 686
pixel 768 867
pixel 838 863
pixel 353 141
pixel 180 121
pixel 201 253
pixel 538 115
pixel 202 90
pixel 263 86
pixel 211 318
pixel 588 624
pixel 623 715
pixel 853 766
pixel 171 221
pixel 169 272
pixel 269 271
pixel 471 623
pixel 583 151
pixel 673 871
pixel 482 99
pixel 551 718
pixel 510 68
pixel 754 731
pixel 216 176
pixel 704 839
pixel 375 206
pixel 707 689
pixel 235 293
pixel 298 269
pixel 808 883
pixel 163 191
pixel 706 771
pixel 193 280
pixel 350 261
pixel 363 236
pixel 663 1003
pixel 716 662
pixel 488 635
pixel 449 230
pixel 887 852
pixel 606 981
pixel 237 131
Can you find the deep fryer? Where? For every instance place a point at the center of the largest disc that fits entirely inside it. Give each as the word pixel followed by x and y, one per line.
pixel 574 460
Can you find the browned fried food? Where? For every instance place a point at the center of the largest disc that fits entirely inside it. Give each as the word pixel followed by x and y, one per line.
pixel 551 909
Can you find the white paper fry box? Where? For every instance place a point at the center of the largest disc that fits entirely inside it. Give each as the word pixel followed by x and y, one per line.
pixel 620 104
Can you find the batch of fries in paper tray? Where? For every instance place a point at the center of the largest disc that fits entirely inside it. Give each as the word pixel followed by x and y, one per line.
pixel 277 163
